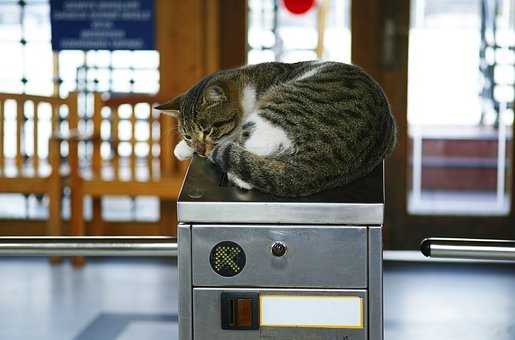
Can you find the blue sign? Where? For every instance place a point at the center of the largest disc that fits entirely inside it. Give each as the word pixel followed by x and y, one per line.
pixel 102 25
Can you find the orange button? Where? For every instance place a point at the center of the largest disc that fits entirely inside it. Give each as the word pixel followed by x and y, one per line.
pixel 244 312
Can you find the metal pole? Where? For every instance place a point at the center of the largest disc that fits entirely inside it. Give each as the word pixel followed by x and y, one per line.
pixel 475 249
pixel 88 246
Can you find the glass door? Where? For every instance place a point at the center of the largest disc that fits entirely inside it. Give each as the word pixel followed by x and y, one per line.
pixel 460 107
pixel 448 69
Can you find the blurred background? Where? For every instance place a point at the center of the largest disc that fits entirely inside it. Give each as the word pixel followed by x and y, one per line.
pixel 447 68
pixel 82 152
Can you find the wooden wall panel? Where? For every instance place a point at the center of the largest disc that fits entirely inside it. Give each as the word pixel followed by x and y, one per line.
pixel 366 27
pixel 233 33
pixel 369 41
pixel 195 38
pixel 180 40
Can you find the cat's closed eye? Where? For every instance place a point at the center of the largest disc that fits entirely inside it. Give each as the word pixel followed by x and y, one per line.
pixel 222 123
pixel 208 105
pixel 219 124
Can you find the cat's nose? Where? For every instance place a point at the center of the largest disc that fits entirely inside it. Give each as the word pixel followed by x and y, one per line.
pixel 209 147
pixel 200 148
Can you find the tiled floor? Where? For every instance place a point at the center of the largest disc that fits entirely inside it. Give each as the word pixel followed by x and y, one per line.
pixel 133 299
pixel 449 301
pixel 110 299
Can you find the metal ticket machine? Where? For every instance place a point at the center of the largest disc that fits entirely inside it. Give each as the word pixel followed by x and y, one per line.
pixel 254 266
pixel 469 249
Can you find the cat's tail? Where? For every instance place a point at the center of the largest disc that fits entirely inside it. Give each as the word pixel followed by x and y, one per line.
pixel 272 175
pixel 282 176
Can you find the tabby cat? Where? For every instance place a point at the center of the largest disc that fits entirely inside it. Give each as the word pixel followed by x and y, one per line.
pixel 286 129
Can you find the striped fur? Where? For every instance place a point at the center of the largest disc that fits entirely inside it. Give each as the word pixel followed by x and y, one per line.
pixel 330 123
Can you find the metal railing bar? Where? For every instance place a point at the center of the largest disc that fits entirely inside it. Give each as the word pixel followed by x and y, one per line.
pixel 88 246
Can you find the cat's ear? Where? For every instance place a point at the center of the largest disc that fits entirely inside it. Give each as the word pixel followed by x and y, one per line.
pixel 172 107
pixel 214 94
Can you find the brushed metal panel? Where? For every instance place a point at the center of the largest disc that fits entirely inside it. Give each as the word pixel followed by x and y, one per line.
pixel 375 282
pixel 185 286
pixel 207 319
pixel 329 257
pixel 280 212
pixel 203 200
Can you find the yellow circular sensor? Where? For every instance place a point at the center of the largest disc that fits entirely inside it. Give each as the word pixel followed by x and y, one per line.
pixel 227 258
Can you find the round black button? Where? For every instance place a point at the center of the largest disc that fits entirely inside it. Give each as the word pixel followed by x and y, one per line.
pixel 279 249
pixel 227 258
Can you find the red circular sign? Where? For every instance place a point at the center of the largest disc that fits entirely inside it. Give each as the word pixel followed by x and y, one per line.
pixel 298 6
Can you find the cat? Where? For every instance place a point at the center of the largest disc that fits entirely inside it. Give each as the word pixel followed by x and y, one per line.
pixel 286 129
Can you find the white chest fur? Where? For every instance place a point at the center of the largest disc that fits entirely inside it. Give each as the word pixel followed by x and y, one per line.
pixel 265 139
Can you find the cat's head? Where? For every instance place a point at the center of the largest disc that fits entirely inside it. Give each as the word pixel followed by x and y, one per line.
pixel 206 113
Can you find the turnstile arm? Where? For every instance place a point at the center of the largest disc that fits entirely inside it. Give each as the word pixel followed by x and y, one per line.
pixel 476 249
pixel 88 246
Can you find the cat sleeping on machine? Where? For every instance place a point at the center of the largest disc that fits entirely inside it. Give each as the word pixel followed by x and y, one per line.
pixel 286 129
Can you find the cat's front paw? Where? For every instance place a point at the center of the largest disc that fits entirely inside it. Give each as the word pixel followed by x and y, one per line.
pixel 239 182
pixel 183 151
pixel 217 154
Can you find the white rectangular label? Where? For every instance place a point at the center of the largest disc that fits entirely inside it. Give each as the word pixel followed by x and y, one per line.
pixel 311 311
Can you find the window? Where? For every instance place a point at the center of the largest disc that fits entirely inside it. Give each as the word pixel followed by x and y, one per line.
pixel 29 65
pixel 24 34
pixel 276 35
pixel 460 106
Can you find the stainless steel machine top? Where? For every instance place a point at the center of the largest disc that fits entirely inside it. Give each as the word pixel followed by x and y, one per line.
pixel 206 197
pixel 254 266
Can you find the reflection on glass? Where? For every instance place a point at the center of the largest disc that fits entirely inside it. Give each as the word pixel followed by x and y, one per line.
pixel 460 106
